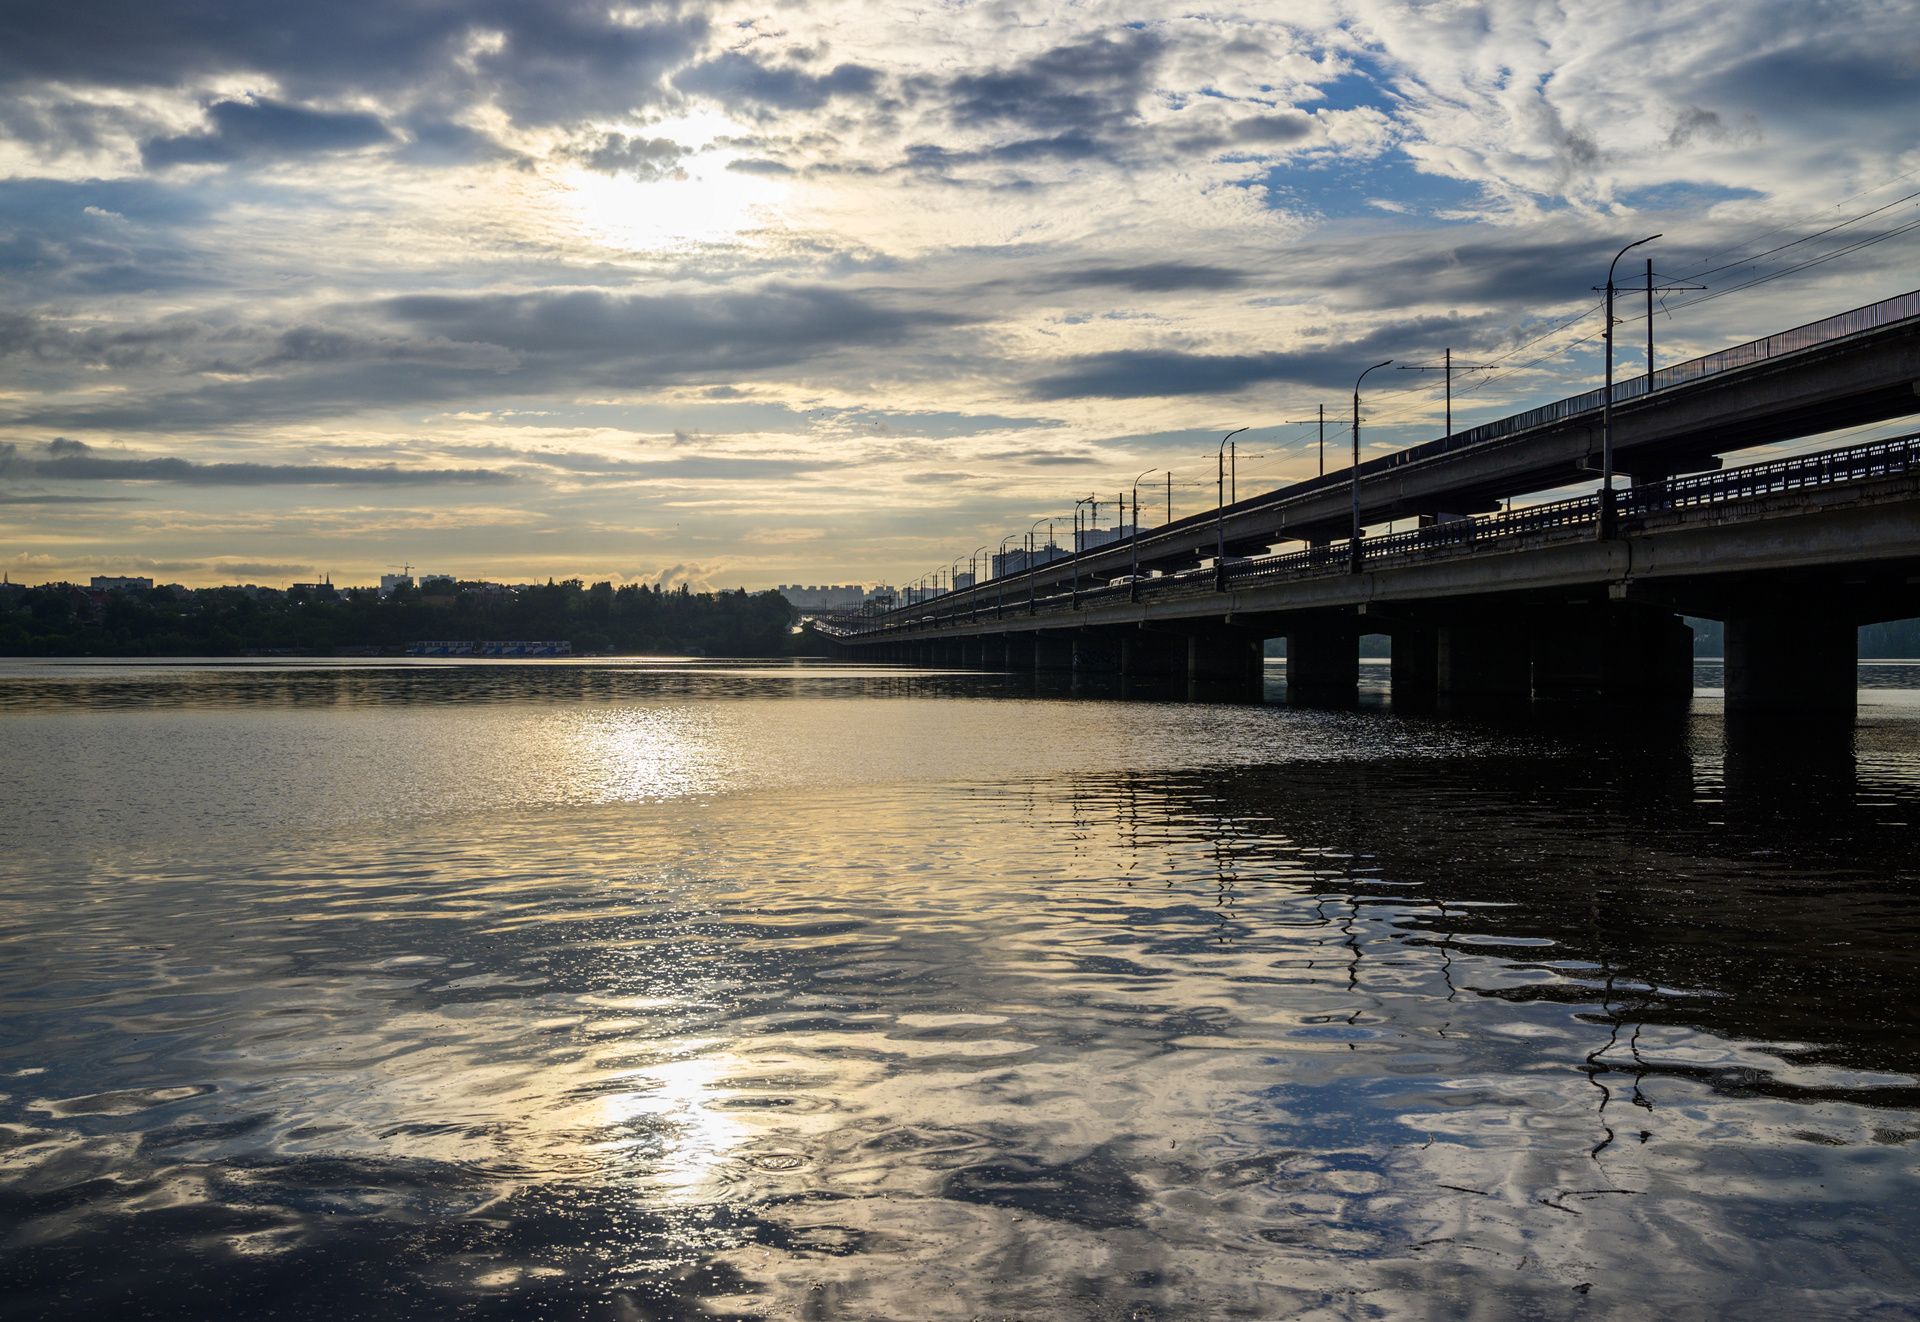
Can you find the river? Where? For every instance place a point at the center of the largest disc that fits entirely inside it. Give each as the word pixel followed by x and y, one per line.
pixel 655 988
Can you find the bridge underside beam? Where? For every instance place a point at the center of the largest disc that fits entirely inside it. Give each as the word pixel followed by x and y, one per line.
pixel 1791 661
pixel 1614 651
pixel 1323 662
pixel 1052 652
pixel 1482 660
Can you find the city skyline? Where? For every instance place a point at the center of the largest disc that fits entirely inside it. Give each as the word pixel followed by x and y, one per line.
pixel 688 294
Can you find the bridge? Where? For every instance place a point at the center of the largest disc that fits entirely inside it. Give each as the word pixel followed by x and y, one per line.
pixel 1547 601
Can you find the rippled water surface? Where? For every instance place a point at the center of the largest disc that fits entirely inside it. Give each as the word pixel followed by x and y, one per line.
pixel 640 990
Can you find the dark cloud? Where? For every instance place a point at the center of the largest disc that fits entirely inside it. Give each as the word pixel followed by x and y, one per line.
pixel 1149 373
pixel 434 141
pixel 75 461
pixel 759 165
pixel 642 158
pixel 1272 130
pixel 666 334
pixel 434 348
pixel 737 79
pixel 542 63
pixel 265 130
pixel 47 498
pixel 1085 87
pixel 1154 277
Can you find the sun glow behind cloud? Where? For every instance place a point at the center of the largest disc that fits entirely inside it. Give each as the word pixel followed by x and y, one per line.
pixel 700 202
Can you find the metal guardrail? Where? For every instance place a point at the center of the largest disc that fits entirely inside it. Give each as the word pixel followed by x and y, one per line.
pixel 1875 459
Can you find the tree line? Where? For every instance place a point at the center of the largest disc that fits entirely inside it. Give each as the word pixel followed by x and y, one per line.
pixel 60 620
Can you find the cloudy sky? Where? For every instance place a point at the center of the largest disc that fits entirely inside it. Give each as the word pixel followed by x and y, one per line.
pixel 831 291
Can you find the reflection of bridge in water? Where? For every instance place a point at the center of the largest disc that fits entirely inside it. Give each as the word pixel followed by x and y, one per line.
pixel 1552 600
pixel 1747 887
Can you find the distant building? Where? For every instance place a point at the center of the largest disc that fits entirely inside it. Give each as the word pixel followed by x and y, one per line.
pixel 112 583
pixel 961 582
pixel 825 597
pixel 392 583
pixel 1018 562
pixel 1086 539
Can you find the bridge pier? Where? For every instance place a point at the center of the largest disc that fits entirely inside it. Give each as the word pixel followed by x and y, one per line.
pixel 1096 652
pixel 1323 664
pixel 1153 659
pixel 1224 663
pixel 1415 667
pixel 1791 661
pixel 1052 652
pixel 1481 662
pixel 1615 652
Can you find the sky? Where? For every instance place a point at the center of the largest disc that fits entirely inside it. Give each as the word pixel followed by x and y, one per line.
pixel 830 292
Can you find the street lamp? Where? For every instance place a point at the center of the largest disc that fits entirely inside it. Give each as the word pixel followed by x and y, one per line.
pixel 1220 504
pixel 973 588
pixel 1606 404
pixel 1000 578
pixel 1076 547
pixel 1133 588
pixel 1353 548
pixel 1048 520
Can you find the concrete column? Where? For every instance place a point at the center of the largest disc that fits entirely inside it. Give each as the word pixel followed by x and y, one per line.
pixel 1147 657
pixel 1323 664
pixel 1477 661
pixel 1791 662
pixel 1223 664
pixel 1019 652
pixel 1415 668
pixel 1617 652
pixel 1052 651
pixel 1096 652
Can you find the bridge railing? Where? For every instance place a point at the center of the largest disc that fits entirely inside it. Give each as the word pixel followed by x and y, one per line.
pixel 1827 330
pixel 1855 463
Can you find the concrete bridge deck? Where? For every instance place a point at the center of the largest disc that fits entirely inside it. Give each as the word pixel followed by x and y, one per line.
pixel 1859 367
pixel 1794 554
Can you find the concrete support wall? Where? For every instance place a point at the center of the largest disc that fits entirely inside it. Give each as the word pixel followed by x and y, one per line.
pixel 1616 652
pixel 1096 652
pixel 1415 668
pixel 1052 651
pixel 1153 658
pixel 1791 662
pixel 1480 661
pixel 1323 664
pixel 1224 664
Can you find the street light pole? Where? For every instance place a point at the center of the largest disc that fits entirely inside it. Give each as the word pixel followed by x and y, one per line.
pixel 1133 588
pixel 1606 404
pixel 973 589
pixel 1031 569
pixel 1353 546
pixel 1076 548
pixel 1220 506
pixel 1322 420
pixel 1000 579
